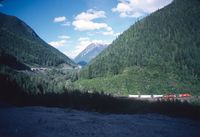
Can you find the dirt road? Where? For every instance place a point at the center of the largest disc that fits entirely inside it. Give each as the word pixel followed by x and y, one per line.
pixel 57 122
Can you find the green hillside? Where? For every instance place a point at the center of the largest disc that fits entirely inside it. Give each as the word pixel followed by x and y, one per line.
pixel 12 62
pixel 19 40
pixel 158 54
pixel 20 49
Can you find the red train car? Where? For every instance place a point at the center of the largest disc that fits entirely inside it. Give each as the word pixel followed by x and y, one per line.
pixel 170 96
pixel 184 95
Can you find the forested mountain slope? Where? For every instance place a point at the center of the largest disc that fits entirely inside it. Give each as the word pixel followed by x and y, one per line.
pixel 160 51
pixel 19 40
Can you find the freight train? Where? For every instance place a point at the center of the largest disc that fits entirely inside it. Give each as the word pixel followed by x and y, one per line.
pixel 165 97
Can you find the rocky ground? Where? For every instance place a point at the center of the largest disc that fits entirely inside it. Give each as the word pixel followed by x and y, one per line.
pixel 58 122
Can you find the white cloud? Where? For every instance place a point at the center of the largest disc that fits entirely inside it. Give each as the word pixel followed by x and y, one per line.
pixel 110 33
pixel 83 25
pixel 83 43
pixel 90 15
pixel 117 34
pixel 70 54
pixel 138 8
pixel 64 37
pixel 59 43
pixel 60 19
pixel 83 39
pixel 85 21
pixel 67 23
pixel 106 33
pixel 90 34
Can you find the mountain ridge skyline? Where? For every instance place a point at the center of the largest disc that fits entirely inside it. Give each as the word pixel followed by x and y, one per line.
pixel 62 28
pixel 20 41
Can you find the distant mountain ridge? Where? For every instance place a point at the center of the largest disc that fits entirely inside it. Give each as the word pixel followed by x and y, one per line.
pixel 90 52
pixel 20 41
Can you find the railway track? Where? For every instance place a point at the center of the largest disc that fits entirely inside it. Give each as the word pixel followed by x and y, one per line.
pixel 153 99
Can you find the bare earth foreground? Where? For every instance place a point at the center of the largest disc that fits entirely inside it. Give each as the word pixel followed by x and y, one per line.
pixel 58 122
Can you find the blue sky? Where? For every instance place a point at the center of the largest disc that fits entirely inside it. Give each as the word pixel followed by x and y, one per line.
pixel 71 25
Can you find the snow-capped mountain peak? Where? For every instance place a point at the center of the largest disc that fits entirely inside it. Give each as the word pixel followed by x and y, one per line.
pixel 90 52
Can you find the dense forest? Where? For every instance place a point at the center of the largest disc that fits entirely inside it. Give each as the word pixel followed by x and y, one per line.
pixel 19 40
pixel 158 54
pixel 40 82
pixel 17 95
pixel 21 50
pixel 11 61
